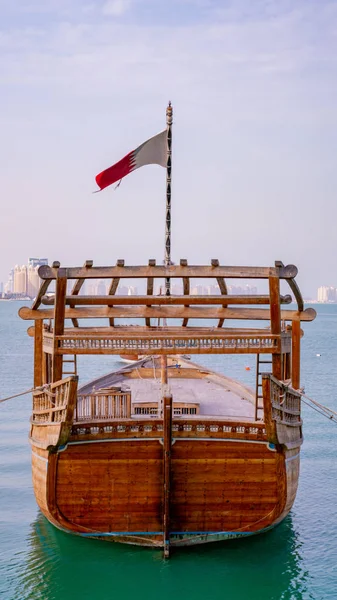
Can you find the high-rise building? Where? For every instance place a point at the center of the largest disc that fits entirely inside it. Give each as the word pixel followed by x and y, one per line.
pixel 24 280
pixel 327 293
pixel 37 262
pixel 33 281
pixel 20 280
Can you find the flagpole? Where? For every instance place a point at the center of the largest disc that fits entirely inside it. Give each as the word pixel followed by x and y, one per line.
pixel 169 114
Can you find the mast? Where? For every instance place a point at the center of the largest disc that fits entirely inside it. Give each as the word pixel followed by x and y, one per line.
pixel 169 114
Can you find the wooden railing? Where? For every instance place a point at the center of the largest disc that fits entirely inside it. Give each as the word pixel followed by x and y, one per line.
pixel 282 412
pixel 285 403
pixel 178 408
pixel 103 405
pixel 50 405
pixel 200 428
pixel 211 343
pixel 53 411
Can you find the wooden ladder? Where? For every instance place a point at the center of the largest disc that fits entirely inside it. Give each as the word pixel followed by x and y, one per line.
pixel 71 360
pixel 258 387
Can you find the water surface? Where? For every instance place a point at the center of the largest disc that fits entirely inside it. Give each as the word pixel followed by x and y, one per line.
pixel 297 560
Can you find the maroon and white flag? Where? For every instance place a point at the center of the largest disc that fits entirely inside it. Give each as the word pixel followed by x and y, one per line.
pixel 151 152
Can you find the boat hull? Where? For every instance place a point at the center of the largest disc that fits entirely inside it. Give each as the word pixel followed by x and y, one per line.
pixel 112 490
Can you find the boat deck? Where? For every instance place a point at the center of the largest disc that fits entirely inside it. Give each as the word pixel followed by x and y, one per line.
pixel 190 385
pixel 213 399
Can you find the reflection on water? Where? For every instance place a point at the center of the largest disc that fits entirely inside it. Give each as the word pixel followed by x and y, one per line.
pixel 59 565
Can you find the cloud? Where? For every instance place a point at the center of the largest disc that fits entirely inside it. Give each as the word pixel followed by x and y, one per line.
pixel 116 8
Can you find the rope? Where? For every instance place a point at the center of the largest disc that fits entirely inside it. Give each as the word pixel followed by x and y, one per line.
pixel 326 412
pixel 41 388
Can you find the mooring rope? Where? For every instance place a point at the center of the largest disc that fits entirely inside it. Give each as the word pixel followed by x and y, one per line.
pixel 40 388
pixel 326 412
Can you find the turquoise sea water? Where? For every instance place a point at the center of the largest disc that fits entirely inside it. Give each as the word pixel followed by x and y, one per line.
pixel 296 560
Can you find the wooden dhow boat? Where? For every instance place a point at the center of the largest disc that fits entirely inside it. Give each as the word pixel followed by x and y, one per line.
pixel 166 452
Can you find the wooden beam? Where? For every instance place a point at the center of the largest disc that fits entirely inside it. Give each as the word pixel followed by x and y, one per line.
pixel 150 281
pixel 167 444
pixel 38 353
pixel 61 289
pixel 275 321
pixel 185 299
pixel 222 285
pixel 295 354
pixel 77 287
pixel 45 285
pixel 293 286
pixel 168 312
pixel 186 287
pixel 267 410
pixel 113 288
pixel 173 271
pixel 163 369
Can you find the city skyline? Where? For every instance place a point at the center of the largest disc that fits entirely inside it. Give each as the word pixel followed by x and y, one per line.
pixel 24 281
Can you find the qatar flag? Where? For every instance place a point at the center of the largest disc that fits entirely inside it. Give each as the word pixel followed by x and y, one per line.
pixel 152 152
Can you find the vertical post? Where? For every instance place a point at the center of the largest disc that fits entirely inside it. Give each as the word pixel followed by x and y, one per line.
pixel 169 114
pixel 167 402
pixel 267 410
pixel 38 353
pixel 60 297
pixel 163 365
pixel 275 322
pixel 295 354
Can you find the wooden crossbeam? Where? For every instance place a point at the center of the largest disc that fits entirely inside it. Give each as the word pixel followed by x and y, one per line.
pixel 168 312
pixel 61 288
pixel 113 288
pixel 185 300
pixel 77 287
pixel 45 285
pixel 223 287
pixel 172 271
pixel 186 287
pixel 150 281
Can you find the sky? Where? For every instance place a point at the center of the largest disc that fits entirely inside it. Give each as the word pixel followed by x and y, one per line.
pixel 254 91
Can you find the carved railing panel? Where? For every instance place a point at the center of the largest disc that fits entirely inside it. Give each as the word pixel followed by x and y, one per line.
pixel 181 428
pixel 167 345
pixel 103 405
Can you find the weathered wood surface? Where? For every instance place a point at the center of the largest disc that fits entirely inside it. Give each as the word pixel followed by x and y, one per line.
pixel 168 312
pixel 173 271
